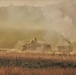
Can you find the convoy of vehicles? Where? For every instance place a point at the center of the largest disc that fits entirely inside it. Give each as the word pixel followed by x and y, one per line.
pixel 35 45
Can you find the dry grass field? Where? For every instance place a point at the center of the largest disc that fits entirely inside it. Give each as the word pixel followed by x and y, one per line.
pixel 26 71
pixel 15 63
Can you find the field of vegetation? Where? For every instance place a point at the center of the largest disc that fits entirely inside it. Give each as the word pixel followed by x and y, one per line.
pixel 14 63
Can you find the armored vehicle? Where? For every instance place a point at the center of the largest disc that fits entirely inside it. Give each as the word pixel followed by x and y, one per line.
pixel 35 45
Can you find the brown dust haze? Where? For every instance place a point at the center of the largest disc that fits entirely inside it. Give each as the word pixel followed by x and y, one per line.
pixel 45 20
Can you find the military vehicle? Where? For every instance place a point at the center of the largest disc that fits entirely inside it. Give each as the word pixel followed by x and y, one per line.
pixel 35 45
pixel 65 49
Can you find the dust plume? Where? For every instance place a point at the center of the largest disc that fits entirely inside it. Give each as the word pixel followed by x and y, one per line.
pixel 47 23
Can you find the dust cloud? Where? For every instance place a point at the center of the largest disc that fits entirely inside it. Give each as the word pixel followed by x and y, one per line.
pixel 47 23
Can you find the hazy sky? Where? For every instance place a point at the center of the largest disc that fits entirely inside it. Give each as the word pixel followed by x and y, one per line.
pixel 29 2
